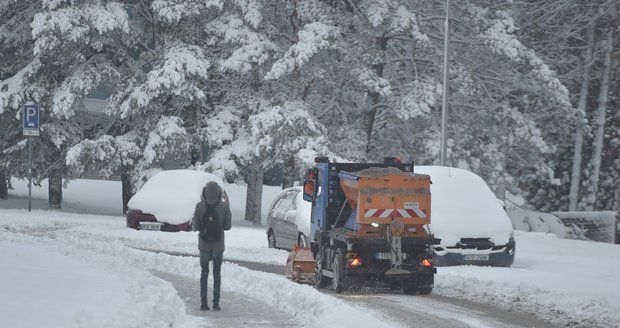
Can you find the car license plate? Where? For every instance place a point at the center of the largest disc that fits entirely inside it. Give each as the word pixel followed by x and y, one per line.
pixel 476 257
pixel 156 226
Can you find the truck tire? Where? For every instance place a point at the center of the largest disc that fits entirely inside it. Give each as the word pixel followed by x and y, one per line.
pixel 338 265
pixel 321 280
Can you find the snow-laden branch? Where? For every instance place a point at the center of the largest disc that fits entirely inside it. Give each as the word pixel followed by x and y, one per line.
pixel 313 37
pixel 181 64
pixel 73 23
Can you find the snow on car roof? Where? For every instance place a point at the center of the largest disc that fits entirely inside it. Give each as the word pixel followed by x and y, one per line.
pixel 463 206
pixel 171 196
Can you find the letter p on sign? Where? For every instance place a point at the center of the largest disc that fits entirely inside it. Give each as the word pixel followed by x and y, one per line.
pixel 31 120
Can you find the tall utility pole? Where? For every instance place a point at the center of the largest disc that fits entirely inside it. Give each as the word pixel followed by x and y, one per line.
pixel 444 102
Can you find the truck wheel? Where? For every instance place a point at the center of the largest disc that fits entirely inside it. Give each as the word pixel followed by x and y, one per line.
pixel 339 281
pixel 321 280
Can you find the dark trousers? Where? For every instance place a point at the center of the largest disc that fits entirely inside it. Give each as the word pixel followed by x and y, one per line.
pixel 205 258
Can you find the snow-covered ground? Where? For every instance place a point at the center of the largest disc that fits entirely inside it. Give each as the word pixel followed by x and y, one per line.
pixel 48 283
pixel 568 282
pixel 97 248
pixel 561 280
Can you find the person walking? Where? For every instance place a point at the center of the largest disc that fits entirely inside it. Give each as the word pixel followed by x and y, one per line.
pixel 211 219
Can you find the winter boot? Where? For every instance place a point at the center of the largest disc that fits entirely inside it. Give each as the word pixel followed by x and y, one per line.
pixel 203 305
pixel 216 307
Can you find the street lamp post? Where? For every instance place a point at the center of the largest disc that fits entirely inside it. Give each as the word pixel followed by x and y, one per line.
pixel 444 102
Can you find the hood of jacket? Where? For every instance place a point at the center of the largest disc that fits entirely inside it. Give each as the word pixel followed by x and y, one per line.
pixel 211 193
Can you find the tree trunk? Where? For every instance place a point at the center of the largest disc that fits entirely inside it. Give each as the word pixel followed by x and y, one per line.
pixel 55 187
pixel 289 173
pixel 127 190
pixel 254 194
pixel 581 121
pixel 599 121
pixel 4 188
pixel 369 115
pixel 195 149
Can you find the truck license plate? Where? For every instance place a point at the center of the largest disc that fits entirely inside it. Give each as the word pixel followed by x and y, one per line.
pixel 382 256
pixel 386 256
pixel 156 226
pixel 476 257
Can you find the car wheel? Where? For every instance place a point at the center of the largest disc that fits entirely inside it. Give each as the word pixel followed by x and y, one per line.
pixel 271 240
pixel 302 241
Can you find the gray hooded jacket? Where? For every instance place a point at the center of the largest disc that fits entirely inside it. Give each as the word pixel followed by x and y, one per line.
pixel 212 194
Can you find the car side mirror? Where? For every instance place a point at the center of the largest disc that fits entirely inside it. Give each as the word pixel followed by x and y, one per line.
pixel 308 191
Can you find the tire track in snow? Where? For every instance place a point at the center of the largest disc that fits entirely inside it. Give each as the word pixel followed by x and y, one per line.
pixel 415 311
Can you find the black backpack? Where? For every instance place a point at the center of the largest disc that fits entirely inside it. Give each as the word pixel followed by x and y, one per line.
pixel 211 228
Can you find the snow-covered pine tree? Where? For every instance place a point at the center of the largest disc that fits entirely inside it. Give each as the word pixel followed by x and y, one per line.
pixel 386 66
pixel 263 119
pixel 63 47
pixel 164 69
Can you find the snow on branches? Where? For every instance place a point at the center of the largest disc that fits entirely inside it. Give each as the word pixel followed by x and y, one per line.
pixel 175 10
pixel 79 83
pixel 312 38
pixel 74 23
pixel 181 65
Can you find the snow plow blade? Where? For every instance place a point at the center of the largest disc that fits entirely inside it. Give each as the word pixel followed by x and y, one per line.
pixel 300 266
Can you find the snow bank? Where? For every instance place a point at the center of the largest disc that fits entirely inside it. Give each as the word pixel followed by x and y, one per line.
pixel 463 206
pixel 569 282
pixel 303 304
pixel 90 196
pixel 45 284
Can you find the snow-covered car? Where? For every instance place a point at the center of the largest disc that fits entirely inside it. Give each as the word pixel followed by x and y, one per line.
pixel 168 199
pixel 528 220
pixel 465 214
pixel 288 221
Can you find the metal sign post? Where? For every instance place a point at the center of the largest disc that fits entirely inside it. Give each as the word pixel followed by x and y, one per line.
pixel 30 127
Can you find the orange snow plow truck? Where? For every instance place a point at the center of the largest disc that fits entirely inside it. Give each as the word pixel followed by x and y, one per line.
pixel 369 226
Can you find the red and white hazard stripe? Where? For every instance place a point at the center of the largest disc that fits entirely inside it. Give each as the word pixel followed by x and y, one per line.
pixel 399 213
pixel 378 212
pixel 411 213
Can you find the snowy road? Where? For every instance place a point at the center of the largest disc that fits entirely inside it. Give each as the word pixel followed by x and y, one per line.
pixel 499 301
pixel 429 311
pixel 442 312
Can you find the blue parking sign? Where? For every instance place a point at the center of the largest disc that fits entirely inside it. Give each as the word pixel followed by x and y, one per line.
pixel 31 120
